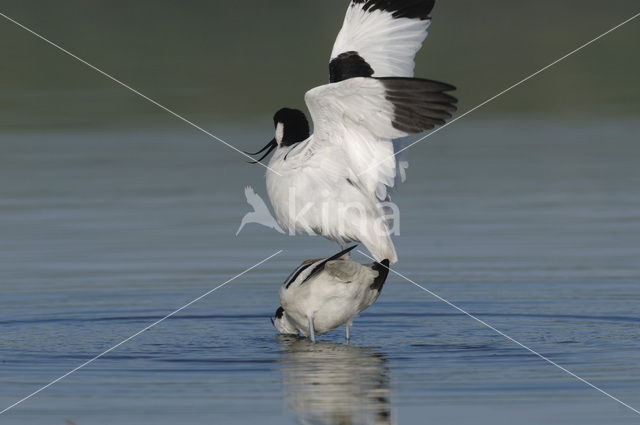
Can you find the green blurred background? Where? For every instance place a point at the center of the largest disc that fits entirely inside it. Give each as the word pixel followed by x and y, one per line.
pixel 231 61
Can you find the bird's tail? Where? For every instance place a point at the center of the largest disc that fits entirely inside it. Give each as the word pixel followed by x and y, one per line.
pixel 380 245
pixel 367 224
pixel 383 271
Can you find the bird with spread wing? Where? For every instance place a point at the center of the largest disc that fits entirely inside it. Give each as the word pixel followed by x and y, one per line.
pixel 333 182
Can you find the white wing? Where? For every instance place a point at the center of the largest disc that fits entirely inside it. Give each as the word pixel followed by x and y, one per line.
pixel 342 270
pixel 387 34
pixel 360 116
pixel 381 38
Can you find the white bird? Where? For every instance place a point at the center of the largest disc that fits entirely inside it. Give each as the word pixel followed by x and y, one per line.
pixel 260 213
pixel 321 295
pixel 332 182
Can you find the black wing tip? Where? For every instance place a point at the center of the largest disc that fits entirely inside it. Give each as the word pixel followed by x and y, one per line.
pixel 343 252
pixel 339 255
pixel 419 104
pixel 383 271
pixel 412 9
pixel 427 84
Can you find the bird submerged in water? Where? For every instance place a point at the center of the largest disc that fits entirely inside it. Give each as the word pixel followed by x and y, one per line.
pixel 321 295
pixel 333 182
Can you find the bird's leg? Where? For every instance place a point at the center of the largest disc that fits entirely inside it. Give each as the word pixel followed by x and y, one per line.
pixel 348 329
pixel 312 333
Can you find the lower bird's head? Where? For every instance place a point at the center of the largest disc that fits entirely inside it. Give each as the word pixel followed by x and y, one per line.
pixel 282 324
pixel 291 127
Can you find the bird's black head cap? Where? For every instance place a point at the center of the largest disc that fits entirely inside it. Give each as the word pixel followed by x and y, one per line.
pixel 295 127
pixel 291 127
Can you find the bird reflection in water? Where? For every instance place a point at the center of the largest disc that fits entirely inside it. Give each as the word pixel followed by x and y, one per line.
pixel 330 383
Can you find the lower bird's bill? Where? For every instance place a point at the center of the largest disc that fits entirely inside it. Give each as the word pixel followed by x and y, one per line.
pixel 269 147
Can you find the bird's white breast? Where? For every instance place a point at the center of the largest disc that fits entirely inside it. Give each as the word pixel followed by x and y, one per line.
pixel 313 193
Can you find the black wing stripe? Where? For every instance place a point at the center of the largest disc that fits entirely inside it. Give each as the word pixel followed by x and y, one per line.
pixel 294 275
pixel 420 85
pixel 321 265
pixel 413 9
pixel 348 65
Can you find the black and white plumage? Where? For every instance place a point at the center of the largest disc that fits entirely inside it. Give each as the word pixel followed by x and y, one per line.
pixel 385 34
pixel 332 182
pixel 321 295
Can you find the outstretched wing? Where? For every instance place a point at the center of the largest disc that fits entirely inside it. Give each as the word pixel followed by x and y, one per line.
pixel 380 38
pixel 363 115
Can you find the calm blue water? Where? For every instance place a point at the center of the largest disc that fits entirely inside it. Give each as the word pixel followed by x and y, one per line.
pixel 533 226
